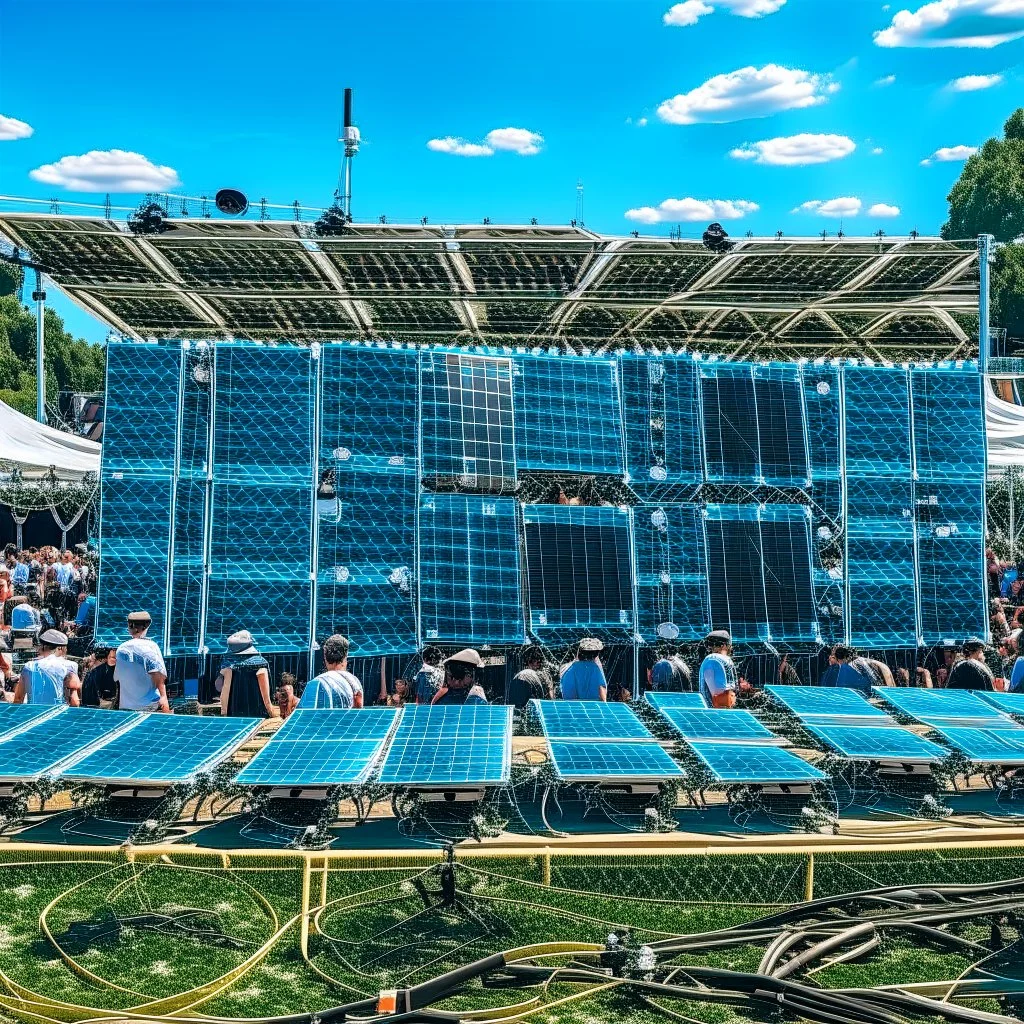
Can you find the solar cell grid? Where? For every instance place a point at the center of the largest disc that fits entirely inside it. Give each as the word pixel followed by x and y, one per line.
pixel 710 724
pixel 583 761
pixel 996 746
pixel 589 719
pixel 1008 703
pixel 878 744
pixel 450 745
pixel 18 717
pixel 824 700
pixel 926 705
pixel 754 765
pixel 664 700
pixel 164 749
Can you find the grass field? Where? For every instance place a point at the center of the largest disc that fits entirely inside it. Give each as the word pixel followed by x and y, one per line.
pixel 99 932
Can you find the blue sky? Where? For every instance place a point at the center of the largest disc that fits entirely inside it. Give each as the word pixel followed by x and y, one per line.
pixel 792 115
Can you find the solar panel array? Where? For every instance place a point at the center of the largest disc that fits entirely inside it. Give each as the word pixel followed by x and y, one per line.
pixel 754 764
pixel 869 743
pixel 301 485
pixel 943 706
pixel 588 719
pixel 986 745
pixel 663 700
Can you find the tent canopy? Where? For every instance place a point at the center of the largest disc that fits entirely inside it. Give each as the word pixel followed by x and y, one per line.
pixel 34 447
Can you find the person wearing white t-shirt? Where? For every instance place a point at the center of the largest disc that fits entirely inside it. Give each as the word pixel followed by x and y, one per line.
pixel 51 678
pixel 139 671
pixel 335 687
pixel 719 679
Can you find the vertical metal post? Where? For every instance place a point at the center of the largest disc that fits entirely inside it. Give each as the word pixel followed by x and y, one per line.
pixel 984 332
pixel 841 382
pixel 39 298
pixel 314 530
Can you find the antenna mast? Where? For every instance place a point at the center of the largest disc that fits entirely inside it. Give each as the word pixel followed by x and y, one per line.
pixel 350 140
pixel 579 202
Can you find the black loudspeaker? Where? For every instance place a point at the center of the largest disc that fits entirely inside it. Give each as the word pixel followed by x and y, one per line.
pixel 231 202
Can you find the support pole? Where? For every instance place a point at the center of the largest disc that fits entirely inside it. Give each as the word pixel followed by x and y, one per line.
pixel 304 909
pixel 984 332
pixel 39 298
pixel 809 879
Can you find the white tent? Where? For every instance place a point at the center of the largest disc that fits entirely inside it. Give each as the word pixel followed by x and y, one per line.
pixel 1004 424
pixel 34 447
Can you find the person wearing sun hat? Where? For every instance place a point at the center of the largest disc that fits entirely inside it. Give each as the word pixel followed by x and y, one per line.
pixel 139 671
pixel 51 678
pixel 459 685
pixel 246 676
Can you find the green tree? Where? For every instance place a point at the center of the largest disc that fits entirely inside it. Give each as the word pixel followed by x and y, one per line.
pixel 1007 288
pixel 988 197
pixel 11 277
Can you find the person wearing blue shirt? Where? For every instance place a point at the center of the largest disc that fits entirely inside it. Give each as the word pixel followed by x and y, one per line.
pixel 86 612
pixel 1017 676
pixel 25 617
pixel 846 669
pixel 19 576
pixel 584 678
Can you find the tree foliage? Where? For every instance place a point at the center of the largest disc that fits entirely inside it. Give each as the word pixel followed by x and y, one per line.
pixel 1007 285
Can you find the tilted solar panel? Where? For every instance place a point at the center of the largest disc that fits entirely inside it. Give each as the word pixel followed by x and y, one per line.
pixel 931 705
pixel 659 700
pixel 163 749
pixel 19 717
pixel 450 745
pixel 734 726
pixel 1007 703
pixel 992 746
pixel 586 761
pixel 754 765
pixel 27 755
pixel 589 719
pixel 322 748
pixel 824 700
pixel 878 744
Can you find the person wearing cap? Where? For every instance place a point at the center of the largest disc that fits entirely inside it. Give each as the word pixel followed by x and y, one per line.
pixel 245 689
pixel 335 687
pixel 430 676
pixel 971 672
pixel 51 678
pixel 584 679
pixel 532 682
pixel 139 669
pixel 719 679
pixel 459 684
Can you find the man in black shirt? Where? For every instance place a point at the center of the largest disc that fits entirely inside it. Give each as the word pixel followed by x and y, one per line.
pixel 532 683
pixel 99 684
pixel 971 673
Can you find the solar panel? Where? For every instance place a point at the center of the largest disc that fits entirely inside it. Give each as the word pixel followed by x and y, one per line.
pixel 660 700
pixel 754 765
pixel 163 749
pixel 878 744
pixel 734 726
pixel 995 746
pixel 825 700
pixel 321 748
pixel 1007 703
pixel 937 705
pixel 585 761
pixel 589 719
pixel 18 717
pixel 27 755
pixel 450 745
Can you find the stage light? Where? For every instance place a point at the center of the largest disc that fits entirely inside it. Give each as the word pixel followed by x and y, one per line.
pixel 716 238
pixel 231 201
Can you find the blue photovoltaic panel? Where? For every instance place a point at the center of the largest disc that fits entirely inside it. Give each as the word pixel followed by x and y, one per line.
pixel 321 748
pixel 467 427
pixel 731 453
pixel 17 717
pixel 1007 703
pixel 567 415
pixel 469 570
pixel 935 705
pixel 950 559
pixel 992 746
pixel 786 569
pixel 367 560
pixel 141 410
pixel 949 423
pixel 782 433
pixel 748 763
pixel 671 576
pixel 878 744
pixel 817 701
pixel 27 755
pixel 880 562
pixel 661 701
pixel 450 745
pixel 589 719
pixel 712 724
pixel 578 572
pixel 163 750
pixel 369 408
pixel 821 386
pixel 586 761
pixel 661 417
pixel 877 421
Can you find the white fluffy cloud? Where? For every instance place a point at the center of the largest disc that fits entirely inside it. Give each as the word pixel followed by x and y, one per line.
pixel 877 151
pixel 508 140
pixel 971 23
pixel 11 128
pixel 114 170
pixel 883 210
pixel 692 210
pixel 887 80
pixel 689 11
pixel 796 150
pixel 972 83
pixel 949 154
pixel 842 206
pixel 747 92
